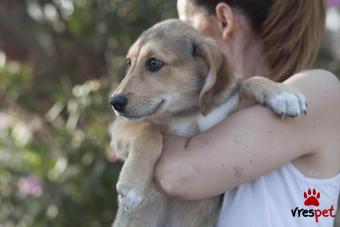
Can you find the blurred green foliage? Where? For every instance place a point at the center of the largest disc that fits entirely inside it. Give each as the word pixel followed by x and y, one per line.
pixel 59 60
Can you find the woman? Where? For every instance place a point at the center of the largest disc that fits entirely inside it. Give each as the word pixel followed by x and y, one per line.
pixel 264 165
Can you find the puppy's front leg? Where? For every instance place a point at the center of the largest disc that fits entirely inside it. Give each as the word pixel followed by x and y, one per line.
pixel 122 136
pixel 281 98
pixel 137 173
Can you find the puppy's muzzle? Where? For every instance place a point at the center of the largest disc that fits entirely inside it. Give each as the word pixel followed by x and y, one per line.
pixel 119 102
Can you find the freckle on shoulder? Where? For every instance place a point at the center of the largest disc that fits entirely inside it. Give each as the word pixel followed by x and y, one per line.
pixel 238 171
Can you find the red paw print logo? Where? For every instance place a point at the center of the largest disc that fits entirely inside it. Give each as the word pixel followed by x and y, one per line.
pixel 312 198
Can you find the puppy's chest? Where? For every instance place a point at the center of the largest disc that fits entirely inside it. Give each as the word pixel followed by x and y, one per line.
pixel 192 125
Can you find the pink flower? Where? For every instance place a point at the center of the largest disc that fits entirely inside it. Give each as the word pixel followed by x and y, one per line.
pixel 112 157
pixel 30 185
pixel 334 2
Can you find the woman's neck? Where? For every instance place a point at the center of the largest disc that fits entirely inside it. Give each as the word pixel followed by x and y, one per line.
pixel 246 58
pixel 251 62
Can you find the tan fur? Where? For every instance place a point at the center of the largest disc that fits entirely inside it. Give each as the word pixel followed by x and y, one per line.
pixel 194 83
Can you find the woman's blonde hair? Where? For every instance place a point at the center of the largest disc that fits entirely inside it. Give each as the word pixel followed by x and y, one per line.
pixel 291 30
pixel 291 34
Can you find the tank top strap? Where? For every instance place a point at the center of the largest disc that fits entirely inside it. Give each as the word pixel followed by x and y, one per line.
pixel 333 180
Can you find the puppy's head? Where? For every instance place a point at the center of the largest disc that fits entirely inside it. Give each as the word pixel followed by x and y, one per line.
pixel 172 70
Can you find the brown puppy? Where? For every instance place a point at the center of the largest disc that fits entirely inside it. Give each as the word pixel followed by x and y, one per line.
pixel 178 82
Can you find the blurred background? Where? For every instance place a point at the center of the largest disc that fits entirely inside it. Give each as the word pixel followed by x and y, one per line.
pixel 59 61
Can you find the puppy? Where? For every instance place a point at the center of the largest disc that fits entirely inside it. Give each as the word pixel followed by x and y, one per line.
pixel 178 82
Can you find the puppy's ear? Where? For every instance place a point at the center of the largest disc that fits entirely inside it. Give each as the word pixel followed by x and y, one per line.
pixel 191 47
pixel 215 61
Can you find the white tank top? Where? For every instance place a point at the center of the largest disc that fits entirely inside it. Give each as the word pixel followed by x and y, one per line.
pixel 282 198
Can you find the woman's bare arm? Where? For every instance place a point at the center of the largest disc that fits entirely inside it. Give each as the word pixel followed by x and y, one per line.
pixel 254 142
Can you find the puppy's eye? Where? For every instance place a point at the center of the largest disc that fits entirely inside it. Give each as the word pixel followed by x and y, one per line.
pixel 128 62
pixel 153 65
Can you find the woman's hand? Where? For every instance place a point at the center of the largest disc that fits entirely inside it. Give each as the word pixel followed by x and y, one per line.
pixel 255 141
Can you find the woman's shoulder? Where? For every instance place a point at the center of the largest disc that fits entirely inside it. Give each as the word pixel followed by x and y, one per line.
pixel 322 89
pixel 318 76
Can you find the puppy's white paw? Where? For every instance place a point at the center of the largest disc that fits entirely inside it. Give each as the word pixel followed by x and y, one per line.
pixel 291 104
pixel 129 198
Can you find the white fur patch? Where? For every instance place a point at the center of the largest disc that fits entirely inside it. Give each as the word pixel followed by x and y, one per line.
pixel 292 104
pixel 129 198
pixel 218 114
pixel 184 126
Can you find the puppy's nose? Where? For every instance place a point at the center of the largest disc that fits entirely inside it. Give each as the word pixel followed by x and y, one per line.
pixel 118 102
